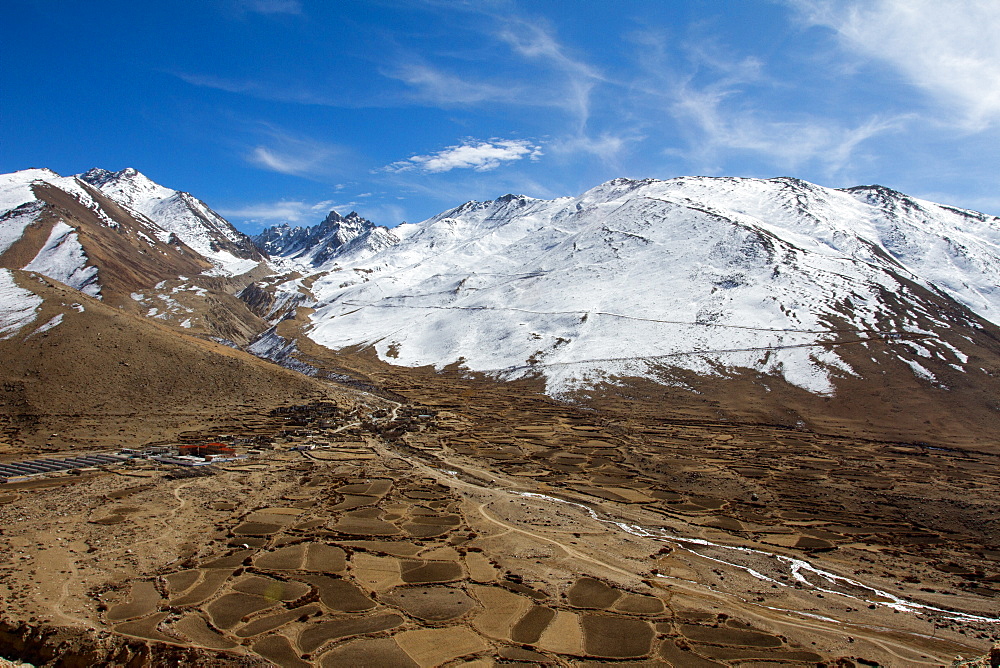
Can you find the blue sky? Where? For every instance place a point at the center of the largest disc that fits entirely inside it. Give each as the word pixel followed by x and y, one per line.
pixel 280 110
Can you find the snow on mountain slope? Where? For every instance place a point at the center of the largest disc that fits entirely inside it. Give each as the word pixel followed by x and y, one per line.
pixel 62 258
pixel 18 307
pixel 636 278
pixel 179 213
pixel 15 188
pixel 16 192
pixel 955 249
pixel 14 221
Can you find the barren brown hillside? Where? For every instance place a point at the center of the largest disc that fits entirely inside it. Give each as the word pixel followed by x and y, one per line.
pixel 104 377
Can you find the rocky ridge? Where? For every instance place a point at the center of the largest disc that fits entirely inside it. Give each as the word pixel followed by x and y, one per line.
pixel 335 237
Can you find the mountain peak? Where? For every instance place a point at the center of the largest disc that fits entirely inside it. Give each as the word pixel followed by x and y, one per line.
pixel 180 215
pixel 509 197
pixel 98 176
pixel 319 243
pixel 353 217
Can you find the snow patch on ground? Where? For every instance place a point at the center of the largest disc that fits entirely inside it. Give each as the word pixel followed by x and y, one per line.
pixel 200 291
pixel 962 357
pixel 280 350
pixel 919 349
pixel 226 264
pixel 920 372
pixel 13 223
pixel 49 325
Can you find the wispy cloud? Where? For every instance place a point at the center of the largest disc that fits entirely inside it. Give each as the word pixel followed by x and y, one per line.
pixel 529 66
pixel 298 156
pixel 948 49
pixel 535 42
pixel 281 211
pixel 434 86
pixel 607 146
pixel 271 6
pixel 269 90
pixel 716 130
pixel 286 164
pixel 480 156
pixel 518 61
pixel 719 105
pixel 295 212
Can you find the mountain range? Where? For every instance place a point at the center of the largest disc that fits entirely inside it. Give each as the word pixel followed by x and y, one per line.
pixel 761 299
pixel 701 421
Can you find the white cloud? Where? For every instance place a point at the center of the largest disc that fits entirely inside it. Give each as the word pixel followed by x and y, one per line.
pixel 282 91
pixel 607 146
pixel 948 49
pixel 481 156
pixel 542 72
pixel 532 41
pixel 720 113
pixel 275 162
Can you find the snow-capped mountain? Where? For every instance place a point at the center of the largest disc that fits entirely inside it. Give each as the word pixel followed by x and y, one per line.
pixel 180 214
pixel 71 231
pixel 644 279
pixel 68 230
pixel 349 236
pixel 632 279
pixel 804 301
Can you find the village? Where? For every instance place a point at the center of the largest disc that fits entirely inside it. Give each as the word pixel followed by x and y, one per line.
pixel 299 429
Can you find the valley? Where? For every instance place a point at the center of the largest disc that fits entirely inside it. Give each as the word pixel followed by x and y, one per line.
pixel 472 521
pixel 698 422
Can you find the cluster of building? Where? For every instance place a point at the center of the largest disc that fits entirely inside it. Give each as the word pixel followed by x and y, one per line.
pixel 201 454
pixel 13 471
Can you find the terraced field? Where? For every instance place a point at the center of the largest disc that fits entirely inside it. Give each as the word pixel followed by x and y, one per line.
pixel 504 527
pixel 394 563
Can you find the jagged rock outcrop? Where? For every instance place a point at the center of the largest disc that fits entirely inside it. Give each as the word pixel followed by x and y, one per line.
pixel 337 236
